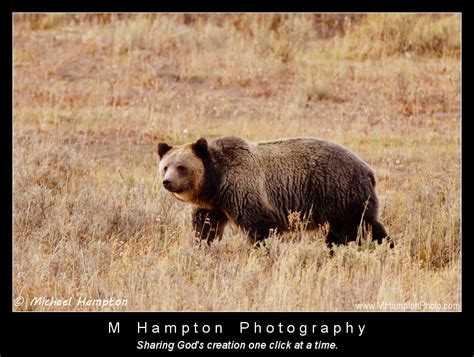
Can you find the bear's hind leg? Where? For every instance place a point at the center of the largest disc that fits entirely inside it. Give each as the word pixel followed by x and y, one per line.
pixel 379 233
pixel 208 224
pixel 343 233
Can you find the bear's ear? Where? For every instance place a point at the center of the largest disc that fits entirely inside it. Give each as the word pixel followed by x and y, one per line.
pixel 163 148
pixel 200 147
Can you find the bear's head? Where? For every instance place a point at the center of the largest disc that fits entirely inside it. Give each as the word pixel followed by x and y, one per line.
pixel 182 169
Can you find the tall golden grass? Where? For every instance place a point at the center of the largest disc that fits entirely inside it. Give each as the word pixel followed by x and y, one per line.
pixel 94 93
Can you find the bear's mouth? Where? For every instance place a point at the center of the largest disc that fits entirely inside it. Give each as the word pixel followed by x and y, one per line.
pixel 175 190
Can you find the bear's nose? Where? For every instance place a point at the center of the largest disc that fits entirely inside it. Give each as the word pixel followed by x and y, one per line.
pixel 167 183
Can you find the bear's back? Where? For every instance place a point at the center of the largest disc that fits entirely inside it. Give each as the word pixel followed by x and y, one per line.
pixel 286 155
pixel 308 152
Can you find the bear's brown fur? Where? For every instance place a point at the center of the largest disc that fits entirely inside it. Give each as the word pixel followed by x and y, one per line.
pixel 255 185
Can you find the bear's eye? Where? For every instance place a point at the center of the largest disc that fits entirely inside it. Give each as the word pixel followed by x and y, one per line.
pixel 181 169
pixel 165 168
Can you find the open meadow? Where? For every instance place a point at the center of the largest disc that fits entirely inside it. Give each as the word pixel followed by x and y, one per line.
pixel 93 95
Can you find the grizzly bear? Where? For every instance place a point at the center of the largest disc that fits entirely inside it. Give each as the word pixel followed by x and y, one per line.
pixel 256 185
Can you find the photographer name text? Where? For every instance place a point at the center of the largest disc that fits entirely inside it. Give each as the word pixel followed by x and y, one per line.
pixel 78 301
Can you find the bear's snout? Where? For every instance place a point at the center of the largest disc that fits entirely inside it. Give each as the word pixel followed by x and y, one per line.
pixel 167 184
pixel 172 186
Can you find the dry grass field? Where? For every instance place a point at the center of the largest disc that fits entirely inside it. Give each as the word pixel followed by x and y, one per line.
pixel 93 94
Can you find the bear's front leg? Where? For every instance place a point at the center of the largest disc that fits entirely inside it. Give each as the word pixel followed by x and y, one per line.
pixel 208 224
pixel 259 223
